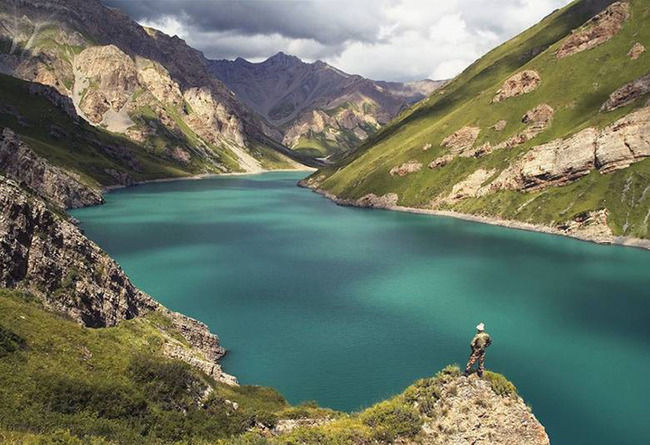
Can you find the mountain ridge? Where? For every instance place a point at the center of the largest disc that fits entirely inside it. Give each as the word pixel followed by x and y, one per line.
pixel 315 105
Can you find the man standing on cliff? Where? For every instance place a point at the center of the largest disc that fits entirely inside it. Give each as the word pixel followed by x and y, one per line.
pixel 479 344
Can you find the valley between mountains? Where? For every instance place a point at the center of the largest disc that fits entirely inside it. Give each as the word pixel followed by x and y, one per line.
pixel 550 132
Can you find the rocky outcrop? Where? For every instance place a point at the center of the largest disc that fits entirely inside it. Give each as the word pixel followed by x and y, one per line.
pixel 467 188
pixel 21 164
pixel 521 83
pixel 589 225
pixel 461 139
pixel 624 142
pixel 538 119
pixel 107 78
pixel 470 411
pixel 46 255
pixel 636 51
pixel 596 31
pixel 406 168
pixel 564 160
pixel 499 125
pixel 441 161
pixel 378 202
pixel 628 93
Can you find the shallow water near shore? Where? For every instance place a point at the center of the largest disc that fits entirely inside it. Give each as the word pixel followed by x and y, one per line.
pixel 348 306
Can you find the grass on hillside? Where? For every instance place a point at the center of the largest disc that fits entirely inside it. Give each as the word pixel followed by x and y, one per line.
pixel 575 86
pixel 113 383
pixel 63 383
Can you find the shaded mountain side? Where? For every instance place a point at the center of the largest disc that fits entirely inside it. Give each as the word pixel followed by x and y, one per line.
pixel 550 129
pixel 139 82
pixel 317 108
pixel 47 123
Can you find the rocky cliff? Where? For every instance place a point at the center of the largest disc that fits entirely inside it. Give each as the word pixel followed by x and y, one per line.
pixel 318 108
pixel 445 409
pixel 21 164
pixel 43 253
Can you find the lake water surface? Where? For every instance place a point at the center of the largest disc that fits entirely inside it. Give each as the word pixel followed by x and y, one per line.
pixel 347 306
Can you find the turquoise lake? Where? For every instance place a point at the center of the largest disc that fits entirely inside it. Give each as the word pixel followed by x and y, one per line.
pixel 348 306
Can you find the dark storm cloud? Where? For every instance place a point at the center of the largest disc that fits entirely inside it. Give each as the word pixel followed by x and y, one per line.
pixel 330 22
pixel 380 39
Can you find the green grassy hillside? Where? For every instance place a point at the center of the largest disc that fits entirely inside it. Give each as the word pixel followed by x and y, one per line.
pixel 66 384
pixel 62 380
pixel 575 87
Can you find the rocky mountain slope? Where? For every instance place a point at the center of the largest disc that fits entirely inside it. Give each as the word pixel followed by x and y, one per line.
pixel 317 108
pixel 549 131
pixel 141 83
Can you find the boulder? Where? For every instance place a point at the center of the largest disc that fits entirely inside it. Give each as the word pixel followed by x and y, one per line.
pixel 379 202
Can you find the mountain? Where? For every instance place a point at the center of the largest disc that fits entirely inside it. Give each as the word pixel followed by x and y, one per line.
pixel 317 109
pixel 549 131
pixel 135 81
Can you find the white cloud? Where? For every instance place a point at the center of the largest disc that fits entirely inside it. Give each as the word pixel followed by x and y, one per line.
pixel 380 39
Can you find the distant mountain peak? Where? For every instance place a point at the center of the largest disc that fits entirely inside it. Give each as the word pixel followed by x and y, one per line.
pixel 281 57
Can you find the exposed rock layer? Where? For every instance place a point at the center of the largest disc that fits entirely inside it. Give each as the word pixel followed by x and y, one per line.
pixel 521 83
pixel 21 164
pixel 628 93
pixel 596 31
pixel 45 254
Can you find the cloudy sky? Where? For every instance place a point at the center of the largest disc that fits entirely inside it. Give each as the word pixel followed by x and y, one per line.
pixel 381 39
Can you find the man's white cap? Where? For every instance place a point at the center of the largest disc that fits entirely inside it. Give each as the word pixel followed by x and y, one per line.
pixel 480 327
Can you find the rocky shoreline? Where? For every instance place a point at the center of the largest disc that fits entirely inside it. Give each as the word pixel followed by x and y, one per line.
pixel 386 203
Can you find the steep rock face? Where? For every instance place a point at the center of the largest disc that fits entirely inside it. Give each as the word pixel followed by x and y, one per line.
pixel 43 253
pixel 597 30
pixel 316 101
pixel 564 160
pixel 624 142
pixel 114 79
pixel 63 103
pixel 50 257
pixel 21 164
